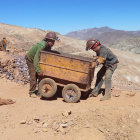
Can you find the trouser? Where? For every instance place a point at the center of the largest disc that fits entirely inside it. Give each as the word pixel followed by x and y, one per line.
pixel 33 76
pixel 107 72
pixel 4 46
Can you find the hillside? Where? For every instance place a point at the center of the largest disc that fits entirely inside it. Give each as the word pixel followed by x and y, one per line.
pixel 23 38
pixel 110 37
pixel 19 36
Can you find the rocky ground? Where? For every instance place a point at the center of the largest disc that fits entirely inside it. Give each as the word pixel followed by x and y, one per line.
pixel 6 101
pixel 34 118
pixel 13 67
pixel 39 119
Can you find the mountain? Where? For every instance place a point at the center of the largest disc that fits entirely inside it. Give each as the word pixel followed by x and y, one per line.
pixel 20 38
pixel 110 37
pixel 24 38
pixel 102 33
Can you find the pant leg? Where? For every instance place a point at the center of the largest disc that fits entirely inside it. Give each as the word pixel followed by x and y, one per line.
pixel 32 74
pixel 100 80
pixel 108 77
pixel 4 46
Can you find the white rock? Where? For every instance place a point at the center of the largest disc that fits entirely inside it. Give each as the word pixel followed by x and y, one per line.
pixel 66 113
pixel 44 130
pixel 45 125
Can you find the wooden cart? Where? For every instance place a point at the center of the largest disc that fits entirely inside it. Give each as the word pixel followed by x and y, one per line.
pixel 73 73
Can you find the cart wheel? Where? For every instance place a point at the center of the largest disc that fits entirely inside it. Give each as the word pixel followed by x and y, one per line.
pixel 47 88
pixel 71 93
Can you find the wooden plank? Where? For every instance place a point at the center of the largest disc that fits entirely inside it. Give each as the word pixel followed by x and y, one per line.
pixel 68 63
pixel 65 74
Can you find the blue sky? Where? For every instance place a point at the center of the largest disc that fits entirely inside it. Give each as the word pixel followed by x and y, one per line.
pixel 64 16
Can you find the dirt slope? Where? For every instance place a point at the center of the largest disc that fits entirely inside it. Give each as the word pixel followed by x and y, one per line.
pixel 24 38
pixel 32 118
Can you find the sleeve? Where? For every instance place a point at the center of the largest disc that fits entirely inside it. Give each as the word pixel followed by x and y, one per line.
pixel 102 56
pixel 36 60
pixel 103 53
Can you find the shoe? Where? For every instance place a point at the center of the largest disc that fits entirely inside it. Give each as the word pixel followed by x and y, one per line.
pixel 37 93
pixel 32 92
pixel 94 93
pixel 105 97
pixel 90 95
pixel 33 95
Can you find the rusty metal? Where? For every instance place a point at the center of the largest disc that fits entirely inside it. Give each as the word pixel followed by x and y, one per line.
pixel 46 88
pixel 65 69
pixel 71 94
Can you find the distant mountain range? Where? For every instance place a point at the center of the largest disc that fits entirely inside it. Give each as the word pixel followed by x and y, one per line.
pixel 20 37
pixel 123 40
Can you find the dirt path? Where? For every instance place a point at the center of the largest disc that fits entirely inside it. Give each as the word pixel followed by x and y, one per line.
pixel 32 118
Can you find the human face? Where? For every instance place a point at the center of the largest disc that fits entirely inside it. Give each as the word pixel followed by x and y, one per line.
pixel 50 42
pixel 95 49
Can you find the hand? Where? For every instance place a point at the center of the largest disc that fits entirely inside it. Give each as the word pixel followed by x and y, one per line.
pixel 40 73
pixel 93 65
pixel 95 58
pixel 100 60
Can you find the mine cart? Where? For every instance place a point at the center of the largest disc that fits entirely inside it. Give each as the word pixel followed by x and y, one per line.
pixel 73 73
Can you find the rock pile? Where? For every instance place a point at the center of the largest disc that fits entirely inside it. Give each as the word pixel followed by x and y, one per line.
pixel 6 101
pixel 59 124
pixel 15 69
pixel 121 83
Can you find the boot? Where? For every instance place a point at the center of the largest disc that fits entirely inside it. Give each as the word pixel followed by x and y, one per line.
pixel 107 95
pixel 6 101
pixel 32 94
pixel 95 91
pixel 37 93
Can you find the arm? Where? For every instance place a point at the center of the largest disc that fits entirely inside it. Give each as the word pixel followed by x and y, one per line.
pixel 36 60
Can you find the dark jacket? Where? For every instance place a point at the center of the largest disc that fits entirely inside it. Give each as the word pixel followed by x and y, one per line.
pixel 108 55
